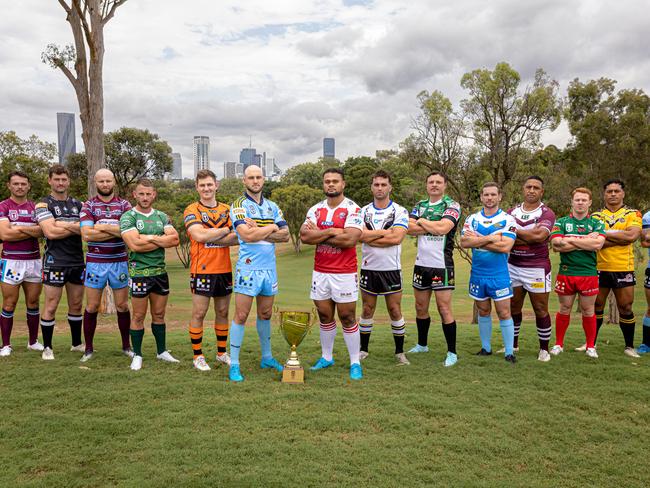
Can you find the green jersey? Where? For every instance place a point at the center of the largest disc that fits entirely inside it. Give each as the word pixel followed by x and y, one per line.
pixel 578 262
pixel 436 251
pixel 150 263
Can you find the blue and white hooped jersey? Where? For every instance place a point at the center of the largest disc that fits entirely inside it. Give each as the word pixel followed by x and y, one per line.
pixel 383 258
pixel 486 263
pixel 645 223
pixel 261 254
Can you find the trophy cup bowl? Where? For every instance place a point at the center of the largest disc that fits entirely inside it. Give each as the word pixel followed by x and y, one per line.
pixel 294 327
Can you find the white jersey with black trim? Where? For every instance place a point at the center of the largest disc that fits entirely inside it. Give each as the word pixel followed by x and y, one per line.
pixel 383 258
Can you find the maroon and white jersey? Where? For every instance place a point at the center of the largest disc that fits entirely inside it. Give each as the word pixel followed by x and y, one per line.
pixel 97 211
pixel 534 255
pixel 330 259
pixel 19 214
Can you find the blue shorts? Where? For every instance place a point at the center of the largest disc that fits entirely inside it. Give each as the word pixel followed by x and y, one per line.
pixel 256 282
pixel 495 288
pixel 98 274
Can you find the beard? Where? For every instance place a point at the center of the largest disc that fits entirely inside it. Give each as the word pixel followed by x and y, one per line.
pixel 333 194
pixel 104 193
pixel 252 191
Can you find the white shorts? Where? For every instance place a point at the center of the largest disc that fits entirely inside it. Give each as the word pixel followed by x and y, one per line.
pixel 534 280
pixel 15 271
pixel 340 288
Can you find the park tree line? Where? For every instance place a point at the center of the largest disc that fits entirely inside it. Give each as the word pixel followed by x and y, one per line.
pixel 494 133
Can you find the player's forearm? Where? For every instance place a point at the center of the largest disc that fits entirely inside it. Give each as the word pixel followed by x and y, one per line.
pixel 622 238
pixel 165 241
pixel 437 228
pixel 31 231
pixel 368 235
pixel 533 236
pixel 229 240
pixel 255 234
pixel 112 230
pixel 55 232
pixel 89 234
pixel 503 246
pixel 316 236
pixel 474 241
pixel 12 234
pixel 588 243
pixel 342 241
pixel 281 235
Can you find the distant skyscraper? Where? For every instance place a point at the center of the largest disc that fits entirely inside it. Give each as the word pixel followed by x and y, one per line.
pixel 177 168
pixel 268 167
pixel 239 170
pixel 230 169
pixel 65 128
pixel 328 147
pixel 201 153
pixel 247 156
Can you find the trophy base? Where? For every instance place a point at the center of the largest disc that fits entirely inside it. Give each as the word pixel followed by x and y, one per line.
pixel 293 375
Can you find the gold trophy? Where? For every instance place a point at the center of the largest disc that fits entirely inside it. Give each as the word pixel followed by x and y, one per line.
pixel 294 327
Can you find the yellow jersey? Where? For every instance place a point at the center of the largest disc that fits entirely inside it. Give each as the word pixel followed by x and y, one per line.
pixel 618 258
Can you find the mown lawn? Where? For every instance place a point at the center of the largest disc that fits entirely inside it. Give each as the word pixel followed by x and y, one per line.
pixel 571 422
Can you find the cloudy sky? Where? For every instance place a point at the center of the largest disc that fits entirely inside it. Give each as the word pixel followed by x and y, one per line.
pixel 288 73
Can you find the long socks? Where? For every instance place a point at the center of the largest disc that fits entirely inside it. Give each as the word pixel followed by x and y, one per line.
pixel 159 333
pixel 517 319
pixel 6 324
pixel 562 322
pixel 544 330
pixel 89 326
pixel 508 334
pixel 590 327
pixel 398 328
pixel 352 341
pixel 327 336
pixel 365 329
pixel 33 320
pixel 627 323
pixel 124 324
pixel 75 322
pixel 423 330
pixel 450 335
pixel 47 330
pixel 264 334
pixel 236 339
pixel 221 331
pixel 485 331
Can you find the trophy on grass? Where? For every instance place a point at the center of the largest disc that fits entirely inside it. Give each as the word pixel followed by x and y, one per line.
pixel 294 327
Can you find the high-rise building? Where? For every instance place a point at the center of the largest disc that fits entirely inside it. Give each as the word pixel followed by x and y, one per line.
pixel 328 147
pixel 239 170
pixel 268 167
pixel 67 142
pixel 247 156
pixel 177 167
pixel 230 169
pixel 201 153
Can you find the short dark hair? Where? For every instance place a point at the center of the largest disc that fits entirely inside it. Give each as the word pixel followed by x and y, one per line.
pixel 16 172
pixel 146 182
pixel 205 173
pixel 337 171
pixel 491 184
pixel 614 181
pixel 535 177
pixel 58 169
pixel 437 173
pixel 380 173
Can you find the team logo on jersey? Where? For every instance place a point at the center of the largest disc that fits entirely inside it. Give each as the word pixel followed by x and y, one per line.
pixel 342 215
pixel 205 217
pixel 57 211
pixel 75 210
pixel 139 225
pixel 569 227
pixel 13 215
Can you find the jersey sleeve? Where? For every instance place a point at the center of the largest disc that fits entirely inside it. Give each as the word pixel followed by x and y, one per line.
pixel 558 229
pixel 467 225
pixel 126 205
pixel 452 212
pixel 4 213
pixel 415 212
pixel 191 216
pixel 510 228
pixel 278 217
pixel 646 220
pixel 401 218
pixel 42 211
pixel 86 218
pixel 238 212
pixel 127 222
pixel 599 227
pixel 311 215
pixel 353 218
pixel 634 219
pixel 547 219
pixel 167 222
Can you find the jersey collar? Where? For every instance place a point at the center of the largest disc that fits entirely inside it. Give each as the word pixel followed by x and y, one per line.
pixel 491 216
pixel 253 200
pixel 390 202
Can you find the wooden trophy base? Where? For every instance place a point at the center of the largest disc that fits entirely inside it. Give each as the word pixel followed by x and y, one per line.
pixel 293 375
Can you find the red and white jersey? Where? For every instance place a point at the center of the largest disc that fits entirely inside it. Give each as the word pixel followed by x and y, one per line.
pixel 330 259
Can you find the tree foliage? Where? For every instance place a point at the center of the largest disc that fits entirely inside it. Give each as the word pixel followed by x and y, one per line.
pixel 295 201
pixel 31 156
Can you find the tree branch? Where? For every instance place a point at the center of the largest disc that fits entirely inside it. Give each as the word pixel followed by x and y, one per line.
pixel 111 12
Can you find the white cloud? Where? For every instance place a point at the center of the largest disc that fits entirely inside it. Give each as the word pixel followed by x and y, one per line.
pixel 290 73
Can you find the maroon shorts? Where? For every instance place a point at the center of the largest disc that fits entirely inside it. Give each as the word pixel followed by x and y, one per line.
pixel 587 286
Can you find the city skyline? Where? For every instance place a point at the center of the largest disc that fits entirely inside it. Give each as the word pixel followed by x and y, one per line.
pixel 352 68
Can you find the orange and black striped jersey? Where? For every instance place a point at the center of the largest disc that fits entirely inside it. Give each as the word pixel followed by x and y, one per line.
pixel 617 258
pixel 206 257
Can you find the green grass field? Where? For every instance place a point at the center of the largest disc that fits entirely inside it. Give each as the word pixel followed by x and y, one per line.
pixel 571 422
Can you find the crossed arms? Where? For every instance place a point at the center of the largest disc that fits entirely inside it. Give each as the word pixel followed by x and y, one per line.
pixel 336 237
pixel 249 231
pixel 590 242
pixel 12 232
pixel 383 237
pixel 492 242
pixel 148 242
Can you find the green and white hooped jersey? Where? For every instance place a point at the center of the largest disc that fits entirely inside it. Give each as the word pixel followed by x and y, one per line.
pixel 436 251
pixel 150 263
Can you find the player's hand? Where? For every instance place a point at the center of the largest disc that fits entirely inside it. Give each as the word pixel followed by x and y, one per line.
pixel 149 237
pixel 310 225
pixel 470 233
pixel 250 222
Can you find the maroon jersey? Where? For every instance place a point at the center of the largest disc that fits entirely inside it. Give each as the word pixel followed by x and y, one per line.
pixel 19 214
pixel 534 255
pixel 330 259
pixel 97 211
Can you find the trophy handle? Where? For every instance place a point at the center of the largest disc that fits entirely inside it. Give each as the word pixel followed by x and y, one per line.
pixel 314 315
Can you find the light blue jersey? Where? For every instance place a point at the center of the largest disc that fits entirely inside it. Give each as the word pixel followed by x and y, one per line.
pixel 256 255
pixel 646 227
pixel 488 264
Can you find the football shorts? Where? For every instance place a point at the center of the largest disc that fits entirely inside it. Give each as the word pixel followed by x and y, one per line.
pixel 15 271
pixel 254 282
pixel 99 274
pixel 436 279
pixel 338 287
pixel 586 286
pixel 616 279
pixel 211 285
pixel 380 282
pixel 142 286
pixel 533 280
pixel 497 289
pixel 59 276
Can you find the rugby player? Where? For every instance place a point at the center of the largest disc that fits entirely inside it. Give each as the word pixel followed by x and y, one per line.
pixel 63 262
pixel 385 225
pixel 334 226
pixel 21 263
pixel 616 260
pixel 106 259
pixel 529 264
pixel 148 232
pixel 644 348
pixel 491 233
pixel 209 229
pixel 577 237
pixel 434 221
pixel 259 224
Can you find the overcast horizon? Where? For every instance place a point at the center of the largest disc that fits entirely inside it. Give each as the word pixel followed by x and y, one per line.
pixel 287 74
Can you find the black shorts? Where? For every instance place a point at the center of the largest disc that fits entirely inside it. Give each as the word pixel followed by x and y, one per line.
pixel 60 276
pixel 380 282
pixel 616 279
pixel 646 282
pixel 211 285
pixel 142 286
pixel 436 279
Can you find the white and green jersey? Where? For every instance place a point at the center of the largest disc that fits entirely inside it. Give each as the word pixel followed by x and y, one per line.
pixel 150 263
pixel 436 251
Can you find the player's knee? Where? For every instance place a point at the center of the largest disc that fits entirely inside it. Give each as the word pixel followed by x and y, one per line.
pixel 541 311
pixel 624 308
pixel 503 315
pixel 264 314
pixel 221 312
pixel 368 311
pixel 158 318
pixel 395 312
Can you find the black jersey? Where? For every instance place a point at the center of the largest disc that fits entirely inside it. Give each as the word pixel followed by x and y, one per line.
pixel 67 251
